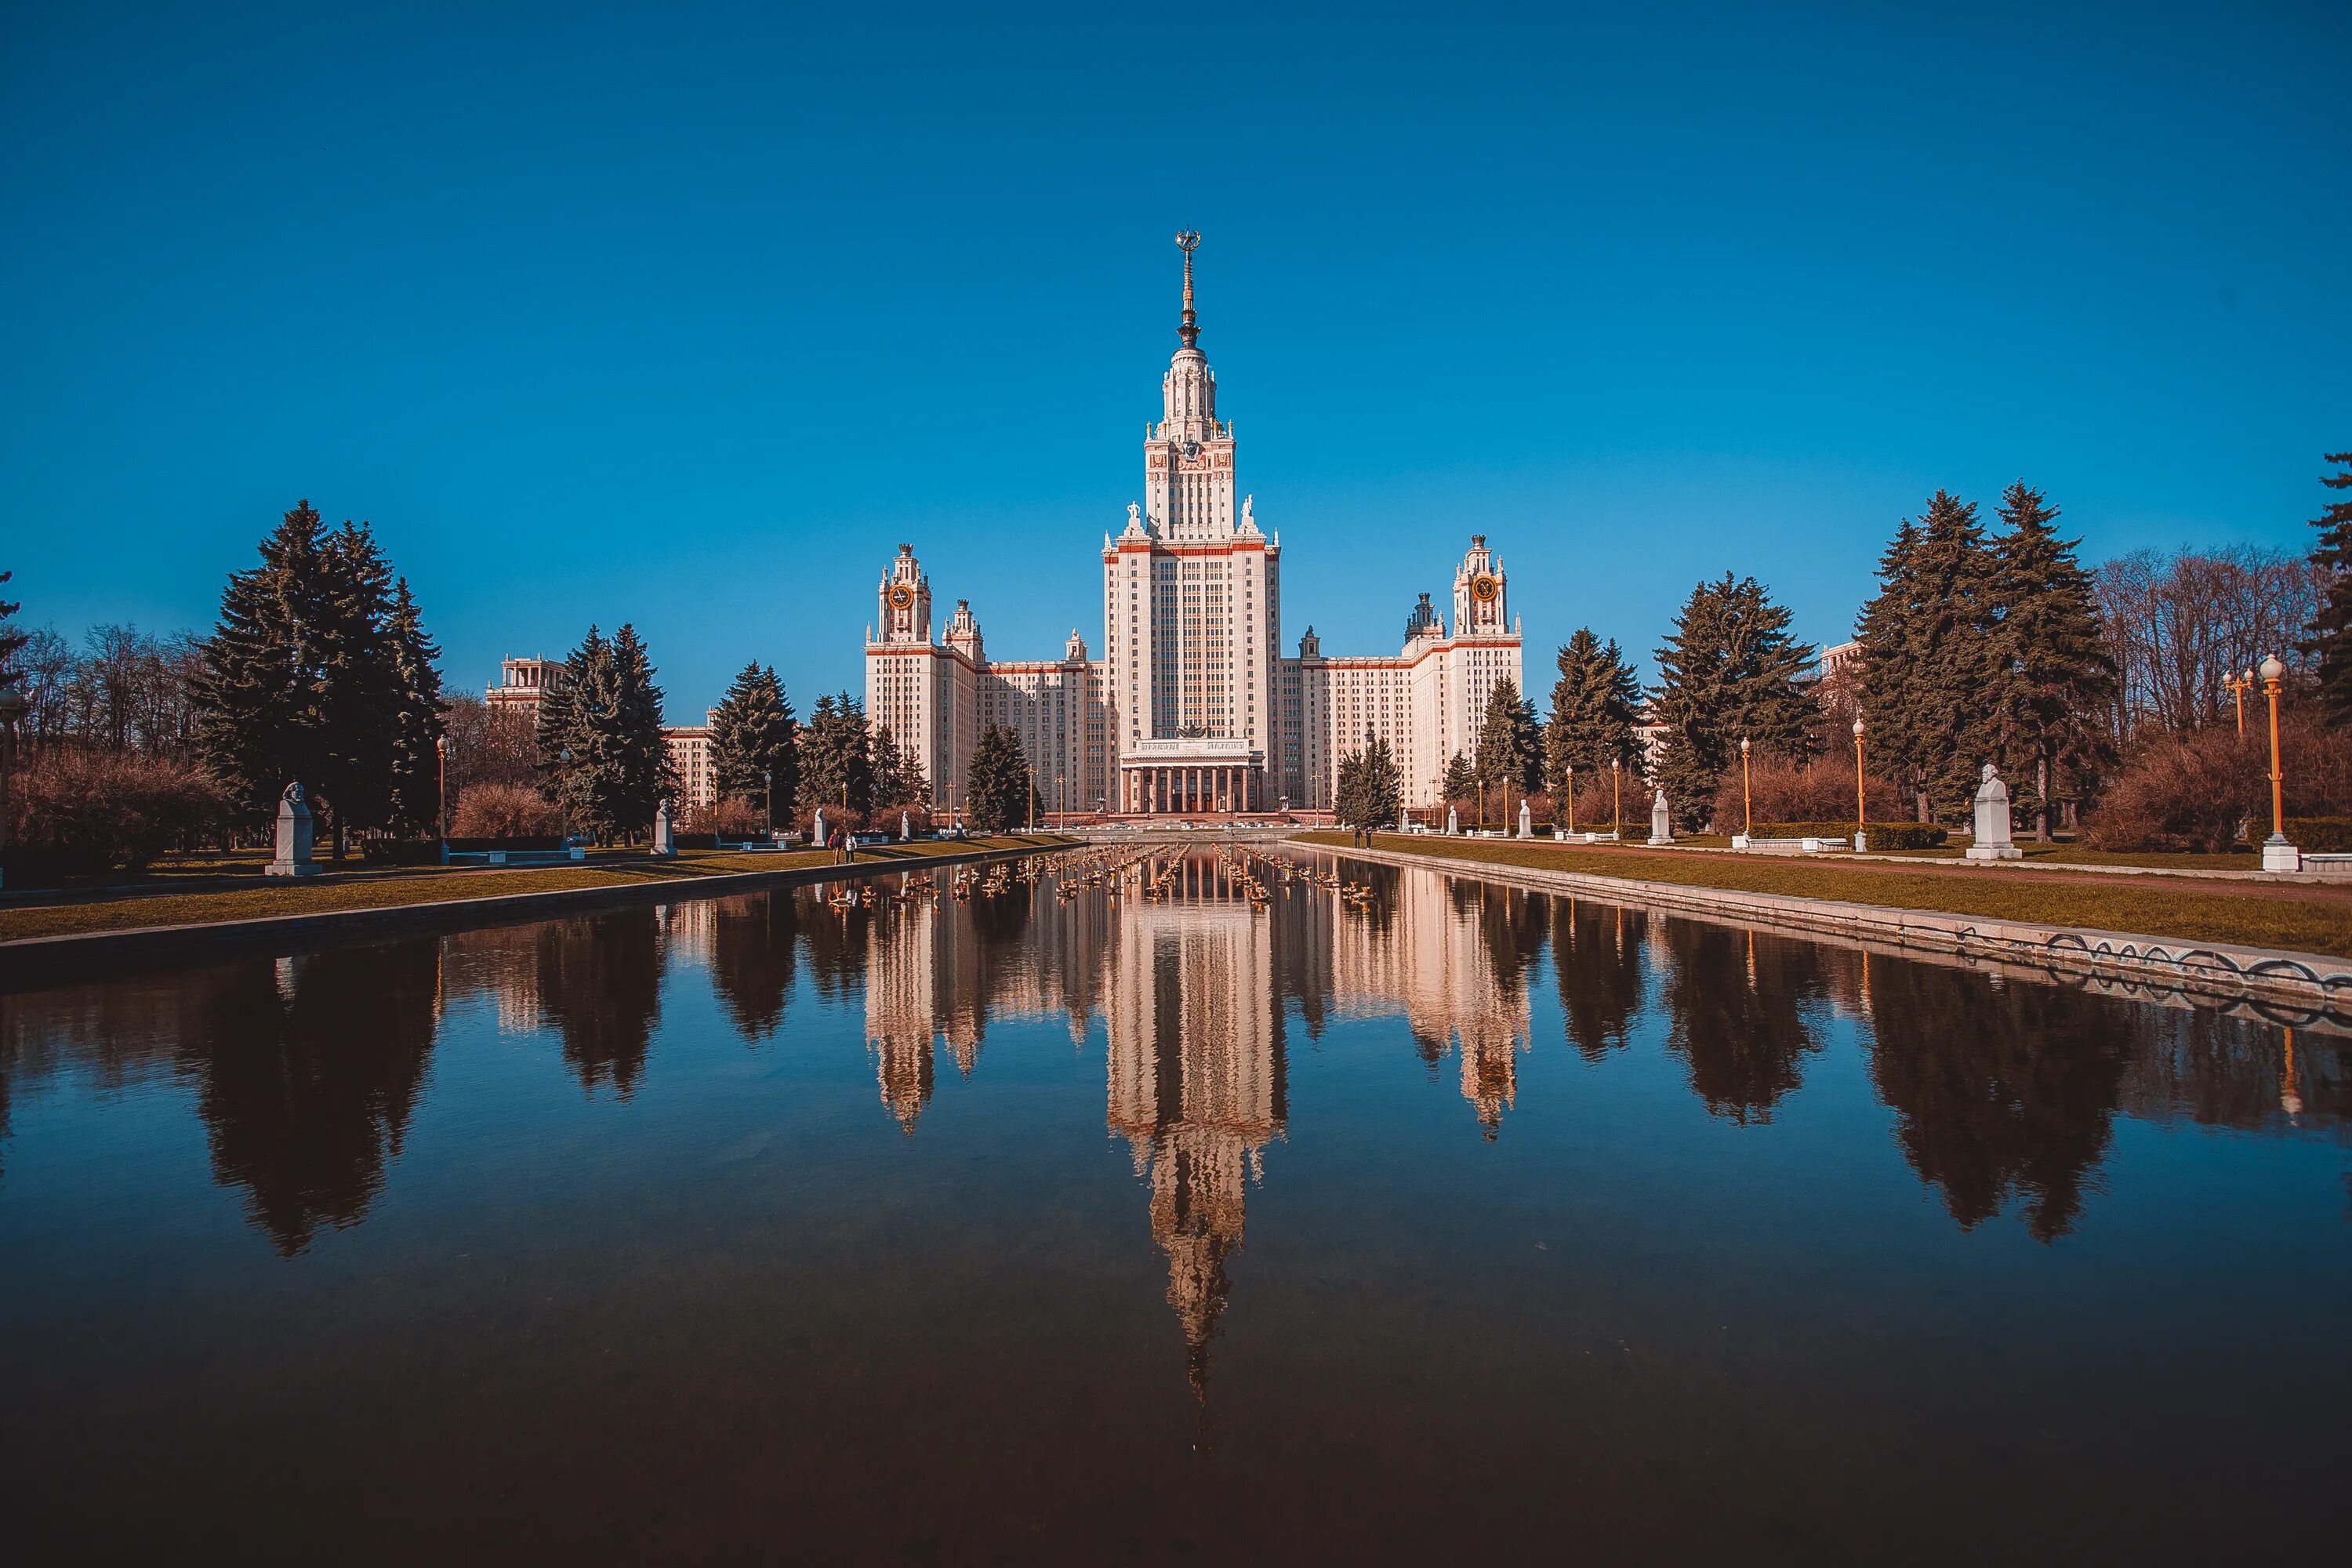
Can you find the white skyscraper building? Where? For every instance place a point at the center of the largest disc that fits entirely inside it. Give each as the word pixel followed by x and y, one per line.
pixel 1192 709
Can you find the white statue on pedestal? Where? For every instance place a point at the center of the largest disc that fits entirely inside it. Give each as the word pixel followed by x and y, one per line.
pixel 1662 821
pixel 665 841
pixel 294 829
pixel 816 830
pixel 1527 821
pixel 1993 841
pixel 1452 826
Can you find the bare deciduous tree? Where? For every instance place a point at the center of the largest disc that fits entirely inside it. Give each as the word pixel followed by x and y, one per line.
pixel 2178 623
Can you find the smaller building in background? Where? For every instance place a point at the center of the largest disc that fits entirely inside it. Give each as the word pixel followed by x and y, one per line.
pixel 524 683
pixel 689 758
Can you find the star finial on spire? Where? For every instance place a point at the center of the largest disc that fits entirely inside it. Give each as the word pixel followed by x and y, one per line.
pixel 1188 241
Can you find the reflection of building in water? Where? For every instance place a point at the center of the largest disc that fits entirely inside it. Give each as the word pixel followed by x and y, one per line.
pixel 1196 1076
pixel 1434 959
pixel 940 972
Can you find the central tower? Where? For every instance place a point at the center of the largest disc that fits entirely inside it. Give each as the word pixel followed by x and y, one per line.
pixel 1191 609
pixel 1188 456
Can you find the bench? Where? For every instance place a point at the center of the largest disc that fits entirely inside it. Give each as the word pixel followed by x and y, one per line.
pixel 513 856
pixel 1786 846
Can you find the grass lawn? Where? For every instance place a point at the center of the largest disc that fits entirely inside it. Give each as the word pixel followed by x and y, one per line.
pixel 329 894
pixel 2260 916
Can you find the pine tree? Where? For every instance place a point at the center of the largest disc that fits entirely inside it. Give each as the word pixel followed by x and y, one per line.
pixel 415 795
pixel 753 737
pixel 997 790
pixel 1594 705
pixel 2057 677
pixel 890 783
pixel 2331 640
pixel 261 695
pixel 1729 671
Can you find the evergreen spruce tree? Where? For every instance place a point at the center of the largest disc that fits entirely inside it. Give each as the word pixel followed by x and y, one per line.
pixel 11 639
pixel 2056 675
pixel 642 777
pixel 997 790
pixel 1381 789
pixel 1461 778
pixel 261 694
pixel 1594 706
pixel 1890 684
pixel 836 759
pixel 1728 671
pixel 890 783
pixel 2331 639
pixel 753 736
pixel 1932 656
pixel 575 715
pixel 1510 746
pixel 361 693
pixel 1348 796
pixel 415 794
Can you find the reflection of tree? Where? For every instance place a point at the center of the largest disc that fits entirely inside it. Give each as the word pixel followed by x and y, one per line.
pixel 1738 1007
pixel 598 982
pixel 307 1071
pixel 2220 1071
pixel 1999 1091
pixel 752 960
pixel 1596 960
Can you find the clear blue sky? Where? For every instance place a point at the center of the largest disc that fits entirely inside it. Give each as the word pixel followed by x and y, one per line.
pixel 689 315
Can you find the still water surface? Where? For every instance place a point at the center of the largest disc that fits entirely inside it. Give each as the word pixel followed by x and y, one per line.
pixel 1071 1223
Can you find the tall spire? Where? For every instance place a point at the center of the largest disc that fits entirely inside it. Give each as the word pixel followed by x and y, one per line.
pixel 1187 242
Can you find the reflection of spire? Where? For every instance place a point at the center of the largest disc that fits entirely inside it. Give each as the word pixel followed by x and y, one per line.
pixel 1196 1079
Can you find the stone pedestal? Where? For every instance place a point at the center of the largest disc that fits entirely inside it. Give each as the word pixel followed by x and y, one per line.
pixel 2278 855
pixel 1661 820
pixel 1993 841
pixel 665 841
pixel 1527 821
pixel 293 856
pixel 1860 842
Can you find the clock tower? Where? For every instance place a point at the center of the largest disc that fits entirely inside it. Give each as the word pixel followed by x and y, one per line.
pixel 905 600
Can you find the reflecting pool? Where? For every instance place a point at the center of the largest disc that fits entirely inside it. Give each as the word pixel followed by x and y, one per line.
pixel 1224 1207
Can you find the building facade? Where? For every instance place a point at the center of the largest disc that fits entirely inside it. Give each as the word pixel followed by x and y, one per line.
pixel 1192 707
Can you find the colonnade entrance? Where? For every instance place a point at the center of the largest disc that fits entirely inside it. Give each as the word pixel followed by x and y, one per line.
pixel 1206 789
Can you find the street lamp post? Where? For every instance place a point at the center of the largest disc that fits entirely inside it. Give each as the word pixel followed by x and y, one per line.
pixel 2278 855
pixel 770 804
pixel 1616 796
pixel 1571 797
pixel 441 790
pixel 2237 685
pixel 1746 800
pixel 1861 806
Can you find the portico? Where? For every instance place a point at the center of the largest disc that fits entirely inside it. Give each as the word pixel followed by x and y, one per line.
pixel 1191 777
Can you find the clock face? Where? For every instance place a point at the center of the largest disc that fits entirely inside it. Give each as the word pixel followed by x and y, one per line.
pixel 1191 450
pixel 902 596
pixel 1484 588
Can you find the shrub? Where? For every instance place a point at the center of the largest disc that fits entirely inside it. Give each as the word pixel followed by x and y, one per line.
pixel 75 811
pixel 1904 835
pixel 2321 834
pixel 732 817
pixel 401 851
pixel 504 811
pixel 1783 791
pixel 2198 791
